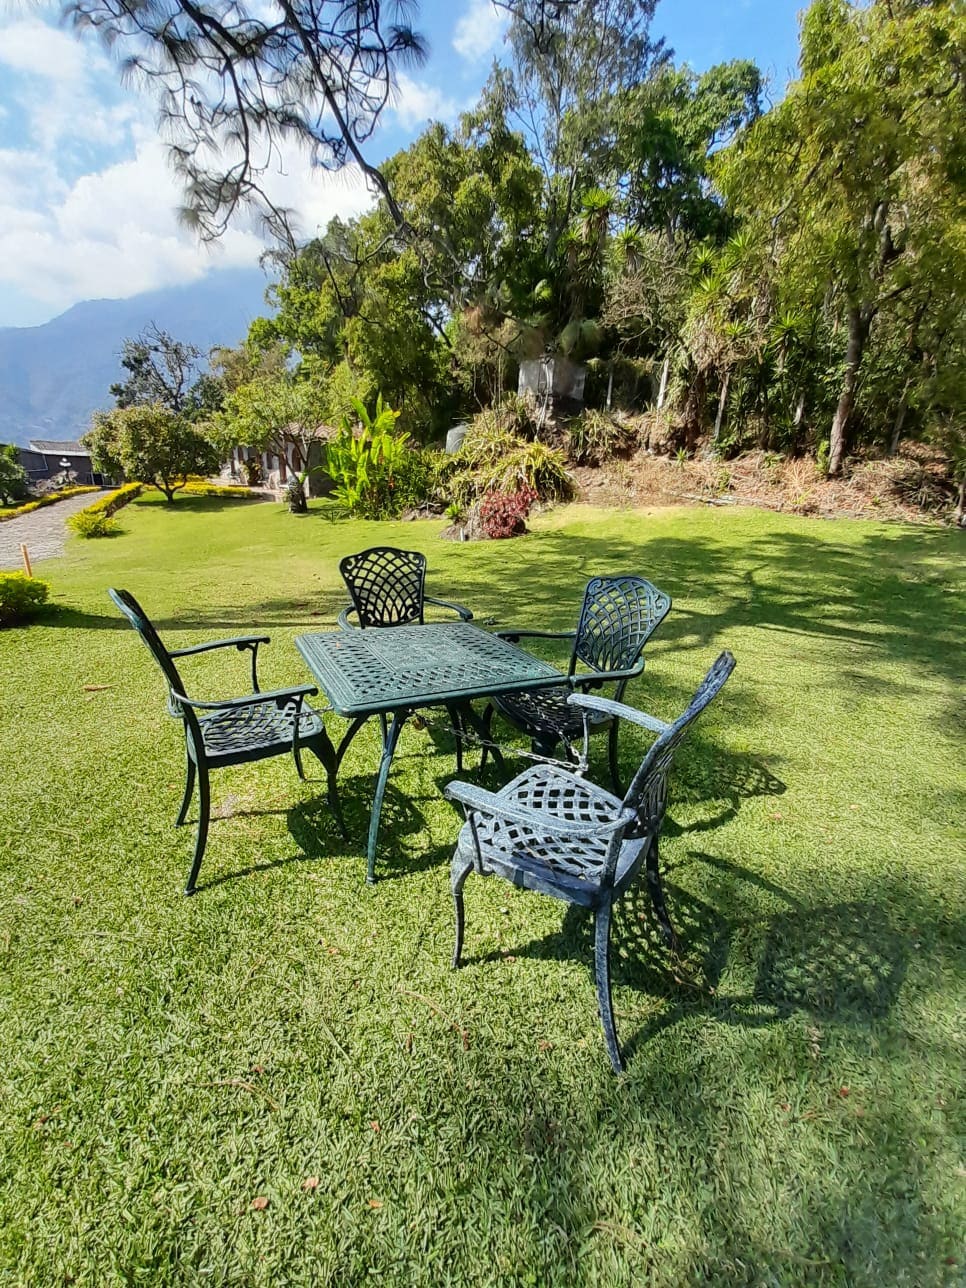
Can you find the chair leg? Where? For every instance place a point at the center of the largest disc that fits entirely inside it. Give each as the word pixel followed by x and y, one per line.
pixel 297 757
pixel 458 880
pixel 615 773
pixel 189 786
pixel 602 976
pixel 655 889
pixel 322 746
pixel 384 724
pixel 204 811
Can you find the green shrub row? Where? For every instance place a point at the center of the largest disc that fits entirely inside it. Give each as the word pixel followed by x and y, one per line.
pixel 95 520
pixel 20 596
pixel 229 492
pixel 51 498
pixel 115 500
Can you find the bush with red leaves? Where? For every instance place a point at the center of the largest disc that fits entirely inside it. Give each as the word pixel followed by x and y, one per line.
pixel 503 514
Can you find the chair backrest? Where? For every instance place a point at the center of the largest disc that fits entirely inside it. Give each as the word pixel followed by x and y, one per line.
pixel 647 794
pixel 618 616
pixel 386 585
pixel 136 615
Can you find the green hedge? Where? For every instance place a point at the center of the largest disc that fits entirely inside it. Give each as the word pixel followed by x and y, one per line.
pixel 20 596
pixel 114 500
pixel 95 520
pixel 219 489
pixel 50 499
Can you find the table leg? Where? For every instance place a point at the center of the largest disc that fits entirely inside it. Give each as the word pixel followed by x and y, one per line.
pixel 399 718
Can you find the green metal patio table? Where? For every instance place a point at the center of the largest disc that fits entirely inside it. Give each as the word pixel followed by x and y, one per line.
pixel 396 670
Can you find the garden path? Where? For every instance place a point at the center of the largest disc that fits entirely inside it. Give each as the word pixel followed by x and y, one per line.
pixel 42 531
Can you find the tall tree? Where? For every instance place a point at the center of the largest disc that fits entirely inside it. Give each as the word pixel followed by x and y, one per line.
pixel 235 81
pixel 160 370
pixel 860 168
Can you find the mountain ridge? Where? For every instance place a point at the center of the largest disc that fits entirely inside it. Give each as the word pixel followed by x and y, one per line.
pixel 53 376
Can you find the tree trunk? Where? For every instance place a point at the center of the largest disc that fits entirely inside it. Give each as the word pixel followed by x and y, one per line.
pixel 961 506
pixel 900 420
pixel 860 320
pixel 663 387
pixel 610 386
pixel 694 409
pixel 722 403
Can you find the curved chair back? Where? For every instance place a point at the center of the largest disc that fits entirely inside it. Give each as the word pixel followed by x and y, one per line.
pixel 647 794
pixel 136 615
pixel 386 585
pixel 618 616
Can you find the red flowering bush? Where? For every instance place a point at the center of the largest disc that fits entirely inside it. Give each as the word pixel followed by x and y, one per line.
pixel 503 514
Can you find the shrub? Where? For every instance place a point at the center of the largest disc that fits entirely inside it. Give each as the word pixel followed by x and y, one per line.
pixel 20 596
pixel 115 500
pixel 226 491
pixel 596 437
pixel 93 523
pixel 504 514
pixel 365 469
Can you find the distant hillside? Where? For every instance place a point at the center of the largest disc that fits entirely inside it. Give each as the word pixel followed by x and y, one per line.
pixel 53 376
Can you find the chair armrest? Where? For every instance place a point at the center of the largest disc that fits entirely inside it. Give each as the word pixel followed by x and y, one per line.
pixel 240 642
pixel 478 800
pixel 578 678
pixel 279 696
pixel 618 710
pixel 344 622
pixel 463 612
pixel 511 636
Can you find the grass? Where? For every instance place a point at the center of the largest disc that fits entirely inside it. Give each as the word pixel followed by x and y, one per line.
pixel 791 1109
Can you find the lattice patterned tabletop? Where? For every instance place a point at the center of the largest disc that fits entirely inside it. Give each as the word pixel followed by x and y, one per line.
pixel 367 671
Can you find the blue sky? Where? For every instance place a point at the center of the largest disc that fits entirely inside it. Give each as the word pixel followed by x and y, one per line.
pixel 86 199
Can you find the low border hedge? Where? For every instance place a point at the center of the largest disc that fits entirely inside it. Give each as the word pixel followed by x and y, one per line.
pixel 50 499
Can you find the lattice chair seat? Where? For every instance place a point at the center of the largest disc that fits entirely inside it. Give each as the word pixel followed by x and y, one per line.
pixel 547 715
pixel 554 832
pixel 256 732
pixel 617 618
pixel 236 730
pixel 526 853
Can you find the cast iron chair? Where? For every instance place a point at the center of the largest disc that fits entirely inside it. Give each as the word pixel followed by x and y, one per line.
pixel 388 588
pixel 552 831
pixel 236 730
pixel 617 618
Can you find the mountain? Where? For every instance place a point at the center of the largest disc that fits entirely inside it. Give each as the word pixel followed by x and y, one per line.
pixel 53 376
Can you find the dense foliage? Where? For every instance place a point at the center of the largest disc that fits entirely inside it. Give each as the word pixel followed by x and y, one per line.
pixel 20 596
pixel 13 476
pixel 790 279
pixel 151 443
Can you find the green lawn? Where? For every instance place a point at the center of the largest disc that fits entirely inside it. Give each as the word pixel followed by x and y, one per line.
pixel 790 1109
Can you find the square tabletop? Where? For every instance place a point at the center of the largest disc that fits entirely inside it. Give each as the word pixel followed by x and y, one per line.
pixel 387 668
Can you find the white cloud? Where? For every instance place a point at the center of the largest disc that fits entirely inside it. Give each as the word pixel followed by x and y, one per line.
pixel 480 30
pixel 115 233
pixel 415 103
pixel 31 46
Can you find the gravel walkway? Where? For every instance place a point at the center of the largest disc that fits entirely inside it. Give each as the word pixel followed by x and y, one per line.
pixel 43 532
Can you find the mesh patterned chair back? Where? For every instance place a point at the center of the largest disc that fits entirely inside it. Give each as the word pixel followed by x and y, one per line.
pixel 136 615
pixel 618 616
pixel 386 585
pixel 647 793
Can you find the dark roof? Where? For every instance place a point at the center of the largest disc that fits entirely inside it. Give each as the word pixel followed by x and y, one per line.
pixel 53 446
